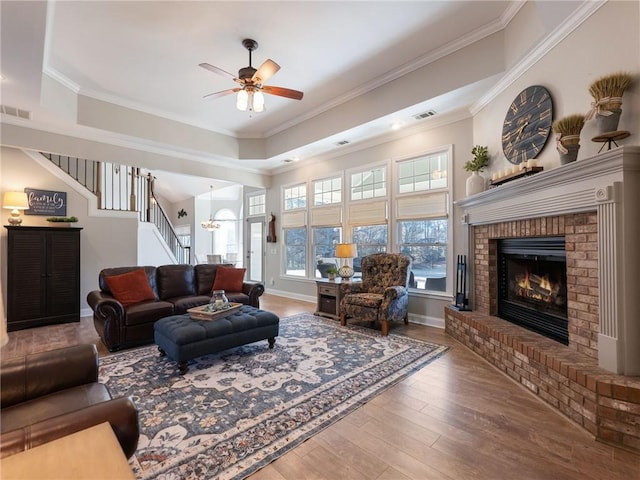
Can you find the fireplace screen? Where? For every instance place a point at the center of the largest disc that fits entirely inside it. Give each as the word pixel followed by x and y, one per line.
pixel 532 290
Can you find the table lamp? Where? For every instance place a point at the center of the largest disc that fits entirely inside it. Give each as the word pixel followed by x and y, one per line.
pixel 346 251
pixel 15 201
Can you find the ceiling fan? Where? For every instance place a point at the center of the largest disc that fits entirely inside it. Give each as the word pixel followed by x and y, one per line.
pixel 251 81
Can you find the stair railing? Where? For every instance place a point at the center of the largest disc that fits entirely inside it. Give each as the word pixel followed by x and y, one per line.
pixel 123 188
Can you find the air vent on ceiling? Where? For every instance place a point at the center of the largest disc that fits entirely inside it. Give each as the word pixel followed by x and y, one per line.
pixel 16 112
pixel 342 142
pixel 427 114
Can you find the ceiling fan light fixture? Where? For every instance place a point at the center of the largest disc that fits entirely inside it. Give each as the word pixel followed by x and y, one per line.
pixel 242 101
pixel 250 93
pixel 257 103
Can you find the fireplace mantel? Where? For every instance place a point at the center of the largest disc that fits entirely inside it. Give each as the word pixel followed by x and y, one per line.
pixel 609 184
pixel 576 187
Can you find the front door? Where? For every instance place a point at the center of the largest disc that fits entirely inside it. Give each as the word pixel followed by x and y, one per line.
pixel 255 252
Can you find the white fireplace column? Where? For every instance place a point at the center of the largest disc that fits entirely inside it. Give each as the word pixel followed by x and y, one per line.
pixel 608 183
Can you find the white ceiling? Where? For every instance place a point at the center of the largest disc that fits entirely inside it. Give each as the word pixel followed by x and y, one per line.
pixel 145 55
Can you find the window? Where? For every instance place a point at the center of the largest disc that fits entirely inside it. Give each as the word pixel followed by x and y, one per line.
pixel 295 197
pixel 369 239
pixel 295 251
pixel 369 184
pixel 183 232
pixel 324 248
pixel 257 204
pixel 425 241
pixel 423 173
pixel 225 239
pixel 327 192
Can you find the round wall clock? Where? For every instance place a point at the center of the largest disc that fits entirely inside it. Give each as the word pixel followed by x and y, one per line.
pixel 527 125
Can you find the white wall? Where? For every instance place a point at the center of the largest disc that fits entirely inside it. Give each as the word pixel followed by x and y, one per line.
pixel 152 249
pixel 104 242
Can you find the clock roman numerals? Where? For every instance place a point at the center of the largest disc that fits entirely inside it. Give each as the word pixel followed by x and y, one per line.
pixel 508 149
pixel 542 100
pixel 523 97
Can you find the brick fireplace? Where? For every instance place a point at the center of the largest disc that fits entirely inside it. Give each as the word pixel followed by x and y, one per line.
pixel 595 205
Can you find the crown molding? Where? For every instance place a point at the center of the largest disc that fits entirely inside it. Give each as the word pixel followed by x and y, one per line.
pixel 581 14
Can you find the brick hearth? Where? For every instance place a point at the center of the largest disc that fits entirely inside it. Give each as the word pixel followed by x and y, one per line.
pixel 606 405
pixel 583 202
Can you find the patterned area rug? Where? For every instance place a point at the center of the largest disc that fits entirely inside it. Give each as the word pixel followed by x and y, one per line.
pixel 236 411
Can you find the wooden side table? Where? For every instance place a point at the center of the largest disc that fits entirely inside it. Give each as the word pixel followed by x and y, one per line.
pixel 88 454
pixel 329 297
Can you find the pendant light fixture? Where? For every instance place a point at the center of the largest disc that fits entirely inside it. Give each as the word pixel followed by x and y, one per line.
pixel 210 225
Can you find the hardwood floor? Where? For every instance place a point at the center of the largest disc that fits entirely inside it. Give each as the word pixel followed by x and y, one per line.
pixel 458 418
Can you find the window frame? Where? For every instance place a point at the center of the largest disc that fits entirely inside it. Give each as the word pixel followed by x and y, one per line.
pixel 283 204
pixel 440 201
pixel 253 195
pixel 448 190
pixel 331 178
pixel 366 169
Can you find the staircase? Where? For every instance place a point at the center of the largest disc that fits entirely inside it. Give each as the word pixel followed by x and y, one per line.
pixel 123 188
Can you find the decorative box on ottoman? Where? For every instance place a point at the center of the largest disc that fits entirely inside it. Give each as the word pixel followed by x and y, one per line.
pixel 183 338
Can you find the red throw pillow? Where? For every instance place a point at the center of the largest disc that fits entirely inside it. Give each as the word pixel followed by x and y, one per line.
pixel 229 279
pixel 130 287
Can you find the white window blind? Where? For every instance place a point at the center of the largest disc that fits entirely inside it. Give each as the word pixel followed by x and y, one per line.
pixel 326 216
pixel 433 205
pixel 369 213
pixel 294 219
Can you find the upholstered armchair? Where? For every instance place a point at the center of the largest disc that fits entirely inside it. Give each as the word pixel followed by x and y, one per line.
pixel 383 295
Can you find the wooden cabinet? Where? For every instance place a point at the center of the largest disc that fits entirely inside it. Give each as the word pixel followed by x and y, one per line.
pixel 329 297
pixel 43 276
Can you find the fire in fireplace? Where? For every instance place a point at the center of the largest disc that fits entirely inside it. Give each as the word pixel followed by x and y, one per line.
pixel 532 285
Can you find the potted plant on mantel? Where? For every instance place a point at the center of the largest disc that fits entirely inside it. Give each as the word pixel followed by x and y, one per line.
pixel 607 100
pixel 476 183
pixel 567 130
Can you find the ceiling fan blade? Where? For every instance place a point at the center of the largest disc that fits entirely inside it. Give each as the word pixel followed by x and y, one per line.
pixel 267 70
pixel 217 70
pixel 222 93
pixel 283 92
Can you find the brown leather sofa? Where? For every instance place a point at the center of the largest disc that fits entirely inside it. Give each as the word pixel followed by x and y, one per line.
pixel 51 394
pixel 176 288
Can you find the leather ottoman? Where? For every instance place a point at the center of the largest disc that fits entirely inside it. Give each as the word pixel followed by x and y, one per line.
pixel 183 338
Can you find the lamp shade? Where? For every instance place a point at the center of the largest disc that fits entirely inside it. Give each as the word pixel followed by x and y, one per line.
pixel 15 201
pixel 346 250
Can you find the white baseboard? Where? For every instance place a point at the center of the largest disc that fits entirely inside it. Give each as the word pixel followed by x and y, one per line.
pixel 426 320
pixel 294 296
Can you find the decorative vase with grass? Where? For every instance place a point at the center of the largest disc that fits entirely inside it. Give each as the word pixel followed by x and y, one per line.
pixel 567 130
pixel 607 100
pixel 476 183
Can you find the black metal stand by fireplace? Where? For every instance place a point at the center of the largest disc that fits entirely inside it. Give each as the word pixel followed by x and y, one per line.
pixel 532 285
